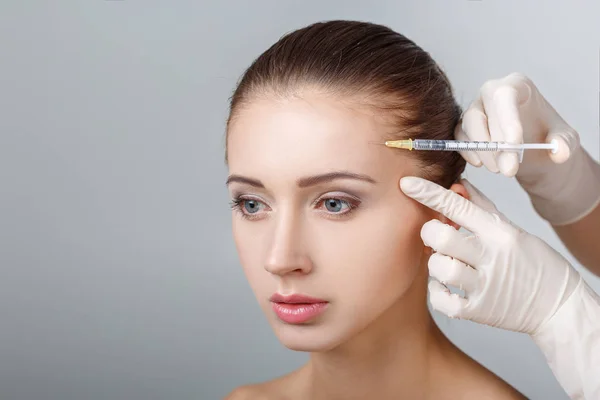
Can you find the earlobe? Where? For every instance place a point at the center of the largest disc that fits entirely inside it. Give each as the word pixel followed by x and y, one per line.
pixel 461 191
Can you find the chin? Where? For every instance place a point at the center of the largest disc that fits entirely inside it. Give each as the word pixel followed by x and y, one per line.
pixel 307 338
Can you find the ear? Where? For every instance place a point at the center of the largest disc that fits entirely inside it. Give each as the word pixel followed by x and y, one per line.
pixel 459 189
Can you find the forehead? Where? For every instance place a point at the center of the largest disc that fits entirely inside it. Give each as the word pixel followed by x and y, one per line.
pixel 312 134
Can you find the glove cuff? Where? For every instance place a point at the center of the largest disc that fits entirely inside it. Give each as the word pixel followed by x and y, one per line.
pixel 570 341
pixel 568 192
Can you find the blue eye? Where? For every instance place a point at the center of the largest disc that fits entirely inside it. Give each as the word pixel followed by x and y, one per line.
pixel 335 205
pixel 251 206
pixel 248 208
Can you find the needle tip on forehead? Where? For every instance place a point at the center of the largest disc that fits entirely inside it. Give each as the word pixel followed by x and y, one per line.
pixel 378 143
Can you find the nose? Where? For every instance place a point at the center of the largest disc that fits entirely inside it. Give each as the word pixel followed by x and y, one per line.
pixel 287 253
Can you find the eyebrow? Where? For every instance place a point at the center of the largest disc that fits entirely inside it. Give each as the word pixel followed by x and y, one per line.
pixel 306 181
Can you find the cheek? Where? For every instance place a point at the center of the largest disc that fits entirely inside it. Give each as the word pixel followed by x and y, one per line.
pixel 250 240
pixel 379 250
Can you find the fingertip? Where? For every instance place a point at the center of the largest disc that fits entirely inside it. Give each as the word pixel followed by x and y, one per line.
pixel 430 225
pixel 508 163
pixel 442 300
pixel 410 184
pixel 424 233
pixel 472 158
pixel 489 161
pixel 562 152
pixel 435 260
pixel 428 231
pixel 435 286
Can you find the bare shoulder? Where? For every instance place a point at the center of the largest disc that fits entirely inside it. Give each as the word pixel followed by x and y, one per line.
pixel 483 384
pixel 467 379
pixel 248 392
pixel 496 389
pixel 478 388
pixel 492 387
pixel 287 387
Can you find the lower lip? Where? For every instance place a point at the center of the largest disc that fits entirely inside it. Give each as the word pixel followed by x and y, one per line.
pixel 298 313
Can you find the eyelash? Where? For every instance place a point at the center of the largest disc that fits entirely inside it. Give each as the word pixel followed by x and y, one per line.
pixel 353 203
pixel 236 205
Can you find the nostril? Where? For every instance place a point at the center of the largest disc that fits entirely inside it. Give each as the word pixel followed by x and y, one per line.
pixel 279 269
pixel 300 265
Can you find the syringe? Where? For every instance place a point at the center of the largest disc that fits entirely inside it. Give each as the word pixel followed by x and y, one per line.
pixel 462 145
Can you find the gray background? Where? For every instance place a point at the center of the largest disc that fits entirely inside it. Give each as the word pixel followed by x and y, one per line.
pixel 119 275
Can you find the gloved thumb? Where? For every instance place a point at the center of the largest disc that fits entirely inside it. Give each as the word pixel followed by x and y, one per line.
pixel 567 140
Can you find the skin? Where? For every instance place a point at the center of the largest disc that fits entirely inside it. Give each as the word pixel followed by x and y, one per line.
pixel 582 238
pixel 376 338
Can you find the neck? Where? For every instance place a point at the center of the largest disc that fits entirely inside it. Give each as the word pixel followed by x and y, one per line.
pixel 395 357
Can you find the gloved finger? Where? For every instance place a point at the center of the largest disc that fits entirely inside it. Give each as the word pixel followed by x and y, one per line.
pixel 444 301
pixel 478 198
pixel 470 156
pixel 506 105
pixel 445 239
pixel 451 271
pixel 481 200
pixel 508 163
pixel 515 90
pixel 446 202
pixel 568 142
pixel 475 126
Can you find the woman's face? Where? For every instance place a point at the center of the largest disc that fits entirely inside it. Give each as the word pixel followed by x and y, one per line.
pixel 318 213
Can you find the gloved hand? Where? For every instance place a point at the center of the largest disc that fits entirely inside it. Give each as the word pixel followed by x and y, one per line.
pixel 512 279
pixel 563 186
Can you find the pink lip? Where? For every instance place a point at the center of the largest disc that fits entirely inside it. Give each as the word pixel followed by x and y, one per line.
pixel 296 308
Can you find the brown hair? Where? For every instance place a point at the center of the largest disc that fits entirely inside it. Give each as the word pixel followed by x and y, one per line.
pixel 376 66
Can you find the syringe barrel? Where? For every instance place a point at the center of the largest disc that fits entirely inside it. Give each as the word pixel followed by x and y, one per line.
pixel 453 145
pixel 436 145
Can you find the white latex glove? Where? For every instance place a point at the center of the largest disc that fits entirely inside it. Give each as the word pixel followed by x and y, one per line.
pixel 512 280
pixel 563 186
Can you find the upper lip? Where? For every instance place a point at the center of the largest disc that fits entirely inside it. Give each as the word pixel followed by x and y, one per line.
pixel 294 299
